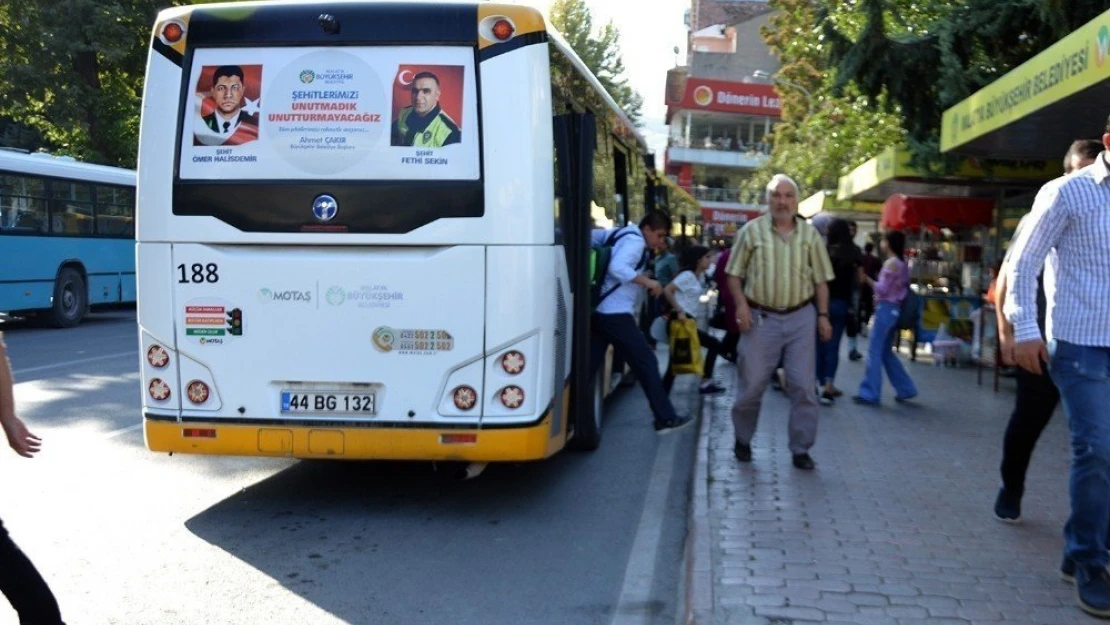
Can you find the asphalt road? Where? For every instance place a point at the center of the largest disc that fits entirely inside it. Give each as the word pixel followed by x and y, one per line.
pixel 127 536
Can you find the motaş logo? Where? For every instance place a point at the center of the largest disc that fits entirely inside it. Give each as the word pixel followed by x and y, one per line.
pixel 1102 45
pixel 271 295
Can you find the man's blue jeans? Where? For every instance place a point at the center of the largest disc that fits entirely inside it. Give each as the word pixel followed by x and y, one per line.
pixel 1082 374
pixel 880 357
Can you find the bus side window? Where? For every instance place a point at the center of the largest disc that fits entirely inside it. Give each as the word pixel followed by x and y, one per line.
pixel 22 204
pixel 71 208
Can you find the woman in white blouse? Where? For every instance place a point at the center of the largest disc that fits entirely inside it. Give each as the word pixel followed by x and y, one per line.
pixel 684 295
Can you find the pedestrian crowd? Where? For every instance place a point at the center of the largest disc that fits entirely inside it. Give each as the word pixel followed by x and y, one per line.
pixel 789 292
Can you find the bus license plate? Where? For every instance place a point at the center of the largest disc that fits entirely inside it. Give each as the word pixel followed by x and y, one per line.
pixel 362 403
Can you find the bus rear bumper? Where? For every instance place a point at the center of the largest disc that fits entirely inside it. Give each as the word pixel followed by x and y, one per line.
pixel 533 442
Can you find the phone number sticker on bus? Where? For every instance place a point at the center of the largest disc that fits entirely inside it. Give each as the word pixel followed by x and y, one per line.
pixel 293 113
pixel 419 342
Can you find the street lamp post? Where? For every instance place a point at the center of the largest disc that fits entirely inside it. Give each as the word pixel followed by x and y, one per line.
pixel 768 76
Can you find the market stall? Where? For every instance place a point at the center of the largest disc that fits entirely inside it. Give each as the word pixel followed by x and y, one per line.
pixel 949 250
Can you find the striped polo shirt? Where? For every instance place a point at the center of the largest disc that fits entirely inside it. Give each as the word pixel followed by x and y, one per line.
pixel 778 271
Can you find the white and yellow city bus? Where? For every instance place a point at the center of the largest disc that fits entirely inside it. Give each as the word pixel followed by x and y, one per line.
pixel 363 231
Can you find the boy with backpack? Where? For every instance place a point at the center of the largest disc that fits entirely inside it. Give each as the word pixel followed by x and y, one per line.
pixel 621 255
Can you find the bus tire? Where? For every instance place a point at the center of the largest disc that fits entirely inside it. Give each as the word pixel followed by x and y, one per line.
pixel 587 420
pixel 71 299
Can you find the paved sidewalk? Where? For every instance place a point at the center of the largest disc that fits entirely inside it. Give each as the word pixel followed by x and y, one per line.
pixel 895 526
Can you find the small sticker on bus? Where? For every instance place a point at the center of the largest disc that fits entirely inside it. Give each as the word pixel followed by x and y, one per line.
pixel 412 342
pixel 212 322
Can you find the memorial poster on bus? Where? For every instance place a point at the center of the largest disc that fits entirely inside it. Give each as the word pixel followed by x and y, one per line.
pixel 400 113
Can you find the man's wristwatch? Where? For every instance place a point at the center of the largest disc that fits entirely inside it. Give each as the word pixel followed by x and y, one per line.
pixel 821 314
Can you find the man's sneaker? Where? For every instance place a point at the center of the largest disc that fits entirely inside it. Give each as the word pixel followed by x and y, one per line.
pixel 711 389
pixel 667 426
pixel 1092 589
pixel 742 451
pixel 854 355
pixel 1007 506
pixel 804 462
pixel 825 398
pixel 1067 570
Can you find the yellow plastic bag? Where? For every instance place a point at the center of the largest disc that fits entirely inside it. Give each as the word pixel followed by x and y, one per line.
pixel 685 347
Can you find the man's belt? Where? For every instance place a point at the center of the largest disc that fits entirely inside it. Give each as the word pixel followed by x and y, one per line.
pixel 778 311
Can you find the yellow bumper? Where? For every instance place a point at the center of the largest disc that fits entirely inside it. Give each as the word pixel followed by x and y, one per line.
pixel 489 445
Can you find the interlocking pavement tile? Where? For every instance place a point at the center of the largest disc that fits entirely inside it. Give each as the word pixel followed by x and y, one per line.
pixel 895 525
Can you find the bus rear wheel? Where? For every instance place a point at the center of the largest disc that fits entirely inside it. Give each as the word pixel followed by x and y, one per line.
pixel 71 299
pixel 587 419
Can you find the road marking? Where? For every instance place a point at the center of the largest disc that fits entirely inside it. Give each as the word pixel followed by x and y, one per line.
pixel 67 363
pixel 122 431
pixel 634 605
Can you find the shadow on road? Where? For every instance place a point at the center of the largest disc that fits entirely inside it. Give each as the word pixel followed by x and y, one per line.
pixel 401 543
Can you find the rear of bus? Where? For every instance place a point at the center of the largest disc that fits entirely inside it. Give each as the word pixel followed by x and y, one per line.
pixel 313 283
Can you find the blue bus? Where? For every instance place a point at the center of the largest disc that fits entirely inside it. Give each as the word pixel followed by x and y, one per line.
pixel 67 236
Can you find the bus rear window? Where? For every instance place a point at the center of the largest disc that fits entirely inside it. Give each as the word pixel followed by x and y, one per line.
pixel 316 113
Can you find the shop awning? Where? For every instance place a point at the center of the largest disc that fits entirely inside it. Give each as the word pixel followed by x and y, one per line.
pixel 907 212
pixel 825 201
pixel 890 173
pixel 1037 109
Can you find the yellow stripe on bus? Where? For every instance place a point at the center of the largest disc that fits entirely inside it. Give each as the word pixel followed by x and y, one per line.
pixel 381 443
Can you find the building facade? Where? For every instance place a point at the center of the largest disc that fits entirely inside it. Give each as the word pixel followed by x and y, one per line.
pixel 721 108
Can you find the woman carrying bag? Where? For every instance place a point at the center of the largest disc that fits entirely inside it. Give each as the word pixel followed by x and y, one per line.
pixel 684 295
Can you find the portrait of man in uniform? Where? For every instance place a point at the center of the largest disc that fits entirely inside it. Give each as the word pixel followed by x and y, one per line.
pixel 424 123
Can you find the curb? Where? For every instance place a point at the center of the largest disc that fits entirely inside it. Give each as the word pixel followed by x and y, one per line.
pixel 698 565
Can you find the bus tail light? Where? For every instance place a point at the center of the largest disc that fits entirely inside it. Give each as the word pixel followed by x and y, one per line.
pixel 173 31
pixel 199 432
pixel 512 397
pixel 157 356
pixel 464 397
pixel 158 389
pixel 197 392
pixel 512 362
pixel 503 29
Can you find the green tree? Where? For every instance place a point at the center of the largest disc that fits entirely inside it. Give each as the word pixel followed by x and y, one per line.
pixel 71 74
pixel 827 133
pixel 928 55
pixel 600 52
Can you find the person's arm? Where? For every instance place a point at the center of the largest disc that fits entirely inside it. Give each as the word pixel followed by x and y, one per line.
pixel 737 268
pixel 885 284
pixel 1005 328
pixel 822 274
pixel 669 293
pixel 1045 224
pixel 626 256
pixel 21 440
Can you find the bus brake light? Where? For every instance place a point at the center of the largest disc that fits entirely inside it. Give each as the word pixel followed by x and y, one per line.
pixel 512 397
pixel 465 397
pixel 197 392
pixel 199 432
pixel 512 362
pixel 503 30
pixel 159 390
pixel 157 356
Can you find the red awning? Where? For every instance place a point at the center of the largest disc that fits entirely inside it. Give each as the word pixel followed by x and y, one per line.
pixel 906 212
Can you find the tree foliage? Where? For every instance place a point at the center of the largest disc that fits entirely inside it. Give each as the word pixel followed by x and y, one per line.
pixel 928 55
pixel 71 75
pixel 882 72
pixel 599 50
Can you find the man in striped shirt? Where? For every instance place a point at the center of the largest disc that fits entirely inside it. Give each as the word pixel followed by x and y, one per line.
pixel 1072 216
pixel 778 272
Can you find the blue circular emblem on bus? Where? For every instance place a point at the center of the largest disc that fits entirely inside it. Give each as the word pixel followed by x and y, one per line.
pixel 324 207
